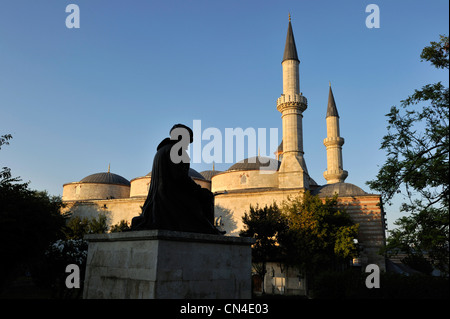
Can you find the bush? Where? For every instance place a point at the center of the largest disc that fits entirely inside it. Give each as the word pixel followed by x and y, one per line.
pixel 52 272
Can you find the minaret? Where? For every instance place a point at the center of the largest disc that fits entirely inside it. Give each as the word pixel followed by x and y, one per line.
pixel 291 104
pixel 335 172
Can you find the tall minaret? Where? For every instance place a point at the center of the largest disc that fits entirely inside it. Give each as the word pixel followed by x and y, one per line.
pixel 335 172
pixel 293 172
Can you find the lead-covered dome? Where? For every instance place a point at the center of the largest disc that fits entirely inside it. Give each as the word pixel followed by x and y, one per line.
pixel 208 175
pixel 99 186
pixel 342 189
pixel 106 178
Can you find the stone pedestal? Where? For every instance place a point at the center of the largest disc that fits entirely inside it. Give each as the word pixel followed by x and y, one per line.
pixel 161 264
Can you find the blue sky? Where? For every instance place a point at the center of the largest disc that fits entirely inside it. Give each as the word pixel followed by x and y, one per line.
pixel 76 100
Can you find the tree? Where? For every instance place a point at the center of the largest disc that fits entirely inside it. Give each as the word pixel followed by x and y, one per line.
pixel 77 227
pixel 265 225
pixel 309 233
pixel 35 237
pixel 320 236
pixel 29 221
pixel 70 249
pixel 5 172
pixel 120 227
pixel 417 165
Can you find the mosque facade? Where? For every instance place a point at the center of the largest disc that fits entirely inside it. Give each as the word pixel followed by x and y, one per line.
pixel 249 182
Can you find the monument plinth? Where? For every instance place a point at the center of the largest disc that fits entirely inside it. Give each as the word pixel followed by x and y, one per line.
pixel 162 264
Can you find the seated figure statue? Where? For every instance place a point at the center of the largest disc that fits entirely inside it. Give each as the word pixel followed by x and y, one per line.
pixel 175 201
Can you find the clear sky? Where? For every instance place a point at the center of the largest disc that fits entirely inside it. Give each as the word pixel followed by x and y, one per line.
pixel 76 100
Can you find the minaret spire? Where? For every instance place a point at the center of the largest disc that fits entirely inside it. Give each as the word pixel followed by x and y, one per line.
pixel 291 104
pixel 290 50
pixel 335 172
pixel 331 108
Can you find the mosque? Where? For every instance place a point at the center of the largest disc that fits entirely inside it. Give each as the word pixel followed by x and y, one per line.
pixel 246 183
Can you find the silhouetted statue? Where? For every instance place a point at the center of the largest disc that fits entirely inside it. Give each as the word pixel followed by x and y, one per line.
pixel 175 201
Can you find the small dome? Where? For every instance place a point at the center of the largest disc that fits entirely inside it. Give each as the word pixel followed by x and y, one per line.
pixel 342 189
pixel 192 173
pixel 105 178
pixel 208 175
pixel 255 163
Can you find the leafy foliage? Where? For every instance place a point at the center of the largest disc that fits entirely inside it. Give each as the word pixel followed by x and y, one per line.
pixel 320 235
pixel 307 232
pixel 423 232
pixel 120 227
pixel 77 227
pixel 417 145
pixel 266 225
pixel 437 53
pixel 36 238
pixel 5 172
pixel 51 272
pixel 29 222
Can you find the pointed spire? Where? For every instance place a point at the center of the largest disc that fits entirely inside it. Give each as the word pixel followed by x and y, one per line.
pixel 331 109
pixel 290 50
pixel 109 168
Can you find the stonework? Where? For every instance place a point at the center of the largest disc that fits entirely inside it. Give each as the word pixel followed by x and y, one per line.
pixel 293 171
pixel 92 191
pixel 333 143
pixel 243 184
pixel 158 264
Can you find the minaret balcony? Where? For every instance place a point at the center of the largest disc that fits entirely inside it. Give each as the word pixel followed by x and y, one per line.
pixel 292 100
pixel 333 141
pixel 335 176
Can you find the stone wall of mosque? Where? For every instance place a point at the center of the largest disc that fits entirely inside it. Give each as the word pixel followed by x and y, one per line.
pixel 236 180
pixel 280 279
pixel 232 205
pixel 114 209
pixel 85 191
pixel 368 212
pixel 364 210
pixel 140 186
pixel 126 203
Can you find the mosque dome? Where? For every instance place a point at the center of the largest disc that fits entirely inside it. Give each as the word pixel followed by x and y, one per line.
pixel 208 175
pixel 106 178
pixel 97 186
pixel 194 174
pixel 255 163
pixel 342 189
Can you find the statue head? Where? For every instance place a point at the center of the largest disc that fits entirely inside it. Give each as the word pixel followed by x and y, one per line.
pixel 179 131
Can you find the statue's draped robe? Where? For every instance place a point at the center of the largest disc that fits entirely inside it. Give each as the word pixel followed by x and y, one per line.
pixel 175 201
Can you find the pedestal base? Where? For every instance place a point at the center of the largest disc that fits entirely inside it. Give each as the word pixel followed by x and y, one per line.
pixel 161 264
